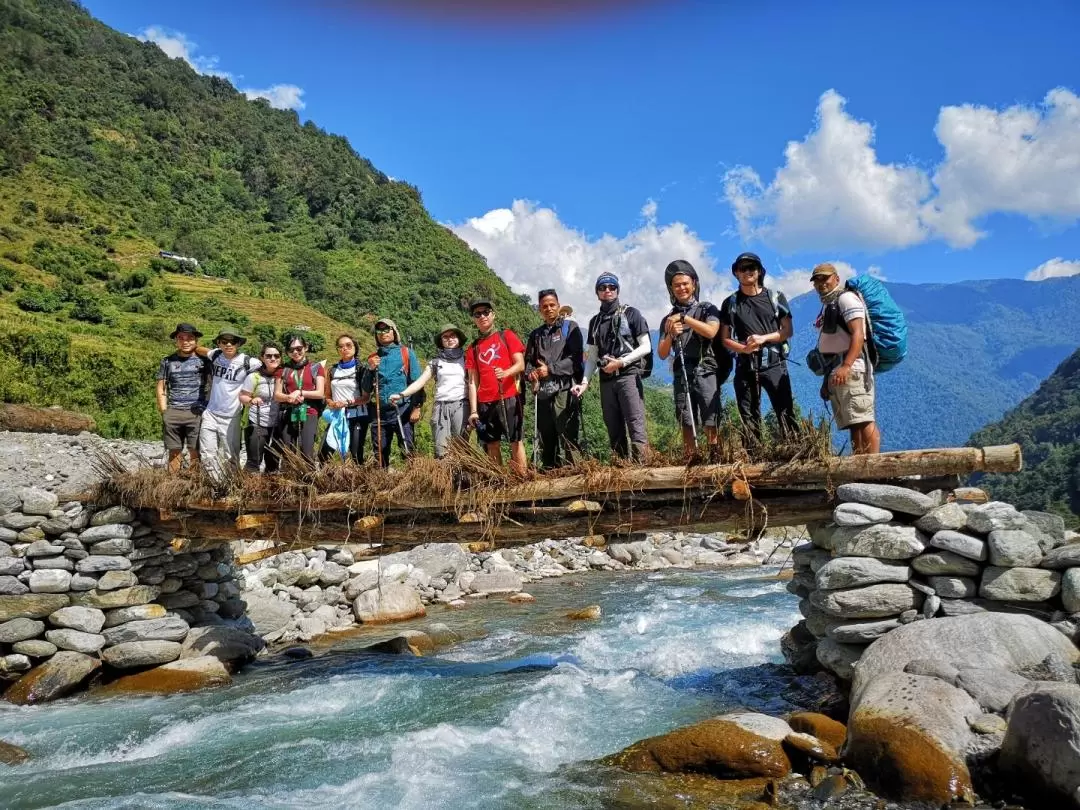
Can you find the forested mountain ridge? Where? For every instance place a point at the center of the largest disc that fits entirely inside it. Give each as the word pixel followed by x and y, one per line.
pixel 1047 426
pixel 110 151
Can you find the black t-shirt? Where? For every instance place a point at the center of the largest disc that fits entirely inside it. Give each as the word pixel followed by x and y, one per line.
pixel 691 344
pixel 602 335
pixel 754 314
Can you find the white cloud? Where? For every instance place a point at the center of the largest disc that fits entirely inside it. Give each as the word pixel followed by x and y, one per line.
pixel 1022 160
pixel 281 96
pixel 833 193
pixel 531 248
pixel 1055 268
pixel 176 45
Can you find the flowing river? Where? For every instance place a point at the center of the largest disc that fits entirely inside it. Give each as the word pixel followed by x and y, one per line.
pixel 509 716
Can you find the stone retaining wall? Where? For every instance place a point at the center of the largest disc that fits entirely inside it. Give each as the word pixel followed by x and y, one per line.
pixel 85 590
pixel 892 556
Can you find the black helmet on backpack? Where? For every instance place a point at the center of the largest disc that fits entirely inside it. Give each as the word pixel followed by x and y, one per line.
pixel 747 258
pixel 680 267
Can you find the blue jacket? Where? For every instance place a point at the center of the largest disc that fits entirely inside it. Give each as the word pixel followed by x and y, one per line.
pixel 391 374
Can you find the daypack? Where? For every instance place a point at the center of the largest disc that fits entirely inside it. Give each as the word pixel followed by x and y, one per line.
pixel 728 317
pixel 724 358
pixel 622 328
pixel 886 323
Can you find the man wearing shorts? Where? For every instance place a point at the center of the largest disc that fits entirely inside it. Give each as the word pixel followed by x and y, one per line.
pixel 849 377
pixel 493 363
pixel 183 386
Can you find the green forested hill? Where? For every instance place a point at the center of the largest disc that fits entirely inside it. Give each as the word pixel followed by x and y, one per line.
pixel 110 151
pixel 1047 425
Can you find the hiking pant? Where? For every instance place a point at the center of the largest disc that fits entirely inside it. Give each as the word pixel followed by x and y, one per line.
pixel 219 441
pixel 622 401
pixel 776 383
pixel 300 436
pixel 558 421
pixel 704 396
pixel 448 422
pixel 358 436
pixel 382 435
pixel 261 445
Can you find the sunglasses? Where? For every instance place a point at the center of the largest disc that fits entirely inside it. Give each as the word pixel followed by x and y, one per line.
pixel 274 356
pixel 482 313
pixel 226 341
pixel 295 349
pixel 747 268
pixel 818 279
pixel 606 288
pixel 345 346
pixel 379 330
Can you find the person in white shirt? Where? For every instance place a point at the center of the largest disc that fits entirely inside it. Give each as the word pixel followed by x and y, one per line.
pixel 257 394
pixel 449 417
pixel 219 434
pixel 344 379
pixel 849 377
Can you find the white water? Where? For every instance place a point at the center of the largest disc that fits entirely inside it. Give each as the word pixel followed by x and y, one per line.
pixel 508 719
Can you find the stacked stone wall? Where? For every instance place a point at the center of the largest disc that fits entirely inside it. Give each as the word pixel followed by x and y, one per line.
pixel 892 556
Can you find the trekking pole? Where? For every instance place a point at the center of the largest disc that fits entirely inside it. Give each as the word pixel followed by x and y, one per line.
pixel 376 435
pixel 401 432
pixel 686 387
pixel 536 430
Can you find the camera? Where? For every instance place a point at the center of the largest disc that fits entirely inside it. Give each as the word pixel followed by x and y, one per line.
pixel 198 408
pixel 603 362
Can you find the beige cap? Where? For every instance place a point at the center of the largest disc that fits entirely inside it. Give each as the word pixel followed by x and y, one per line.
pixel 825 269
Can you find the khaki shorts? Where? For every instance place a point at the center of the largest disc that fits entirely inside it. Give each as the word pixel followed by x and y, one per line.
pixel 853 402
pixel 180 427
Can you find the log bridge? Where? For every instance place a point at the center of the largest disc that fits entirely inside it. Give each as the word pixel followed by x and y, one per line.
pixel 707 498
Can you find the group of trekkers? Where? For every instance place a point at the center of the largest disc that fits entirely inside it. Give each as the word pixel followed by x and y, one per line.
pixel 484 385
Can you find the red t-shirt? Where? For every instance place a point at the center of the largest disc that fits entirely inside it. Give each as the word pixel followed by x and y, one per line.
pixel 497 350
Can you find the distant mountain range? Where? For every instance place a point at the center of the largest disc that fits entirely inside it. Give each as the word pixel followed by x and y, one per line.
pixel 976 349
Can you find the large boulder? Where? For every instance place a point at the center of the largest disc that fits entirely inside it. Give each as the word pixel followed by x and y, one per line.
pixel 16 630
pixel 187 675
pixel 947 516
pixel 733 746
pixel 1052 526
pixel 1041 750
pixel 1067 556
pixel 1019 584
pixel 392 602
pixel 231 646
pixel 445 560
pixel 859 514
pixel 852 572
pixel 123 597
pixel 88 620
pixel 886 496
pixel 135 654
pixel 496 582
pixel 267 613
pixel 966 545
pixel 1014 548
pixel 870 602
pixel 31 605
pixel 55 678
pixel 989 517
pixel 169 628
pixel 945 563
pixel 893 541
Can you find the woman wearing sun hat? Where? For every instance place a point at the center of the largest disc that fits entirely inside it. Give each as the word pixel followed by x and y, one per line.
pixel 449 417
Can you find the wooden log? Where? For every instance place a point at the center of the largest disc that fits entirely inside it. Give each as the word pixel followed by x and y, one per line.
pixel 688 480
pixel 27 419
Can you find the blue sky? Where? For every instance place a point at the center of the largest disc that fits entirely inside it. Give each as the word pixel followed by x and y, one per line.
pixel 657 125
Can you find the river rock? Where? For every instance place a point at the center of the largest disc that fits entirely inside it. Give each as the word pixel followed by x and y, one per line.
pixel 1050 525
pixel 112 547
pixel 56 525
pixel 60 563
pixel 860 514
pixel 187 675
pixel 908 735
pixel 20 629
pixel 290 566
pixel 1041 750
pixel 993 689
pixel 860 632
pixel 124 597
pixel 268 615
pixel 10 586
pixel 18 521
pixel 965 545
pixel 231 646
pixel 1067 556
pixel 850 572
pixel 55 678
pixel 720 747
pixel 1070 590
pixel 11 566
pixel 886 496
pixel 819 725
pixel 988 517
pixel 83 582
pixel 1013 548
pixel 893 541
pixel 88 620
pixel 497 582
pixel 953 587
pixel 446 560
pixel 839 658
pixel 50 581
pixel 34 647
pixel 1019 584
pixel 108 531
pixel 947 516
pixel 96 564
pixel 870 602
pixel 112 514
pixel 180 600
pixel 42 548
pixel 133 614
pixel 37 501
pixel 31 605
pixel 114 580
pixel 169 628
pixel 393 602
pixel 88 643
pixel 133 654
pixel 945 563
pixel 34 534
pixel 333 574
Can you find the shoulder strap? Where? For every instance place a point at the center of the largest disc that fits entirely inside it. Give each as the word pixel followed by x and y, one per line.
pixel 565 329
pixel 405 364
pixel 775 303
pixel 247 364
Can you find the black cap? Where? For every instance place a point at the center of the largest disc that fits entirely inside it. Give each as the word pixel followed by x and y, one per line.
pixel 480 302
pixel 746 258
pixel 185 327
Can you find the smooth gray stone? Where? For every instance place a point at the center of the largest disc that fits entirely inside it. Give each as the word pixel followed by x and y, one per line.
pixel 821 535
pixel 886 496
pixel 30 536
pixel 10 586
pixel 860 632
pixel 31 605
pixel 56 525
pixel 893 541
pixel 133 654
pixel 11 566
pixel 809 557
pixel 43 548
pixel 1070 590
pixel 95 565
pixel 860 514
pixel 76 554
pixel 1041 748
pixel 115 545
pixel 965 545
pixel 1053 526
pixel 106 532
pixel 134 614
pixel 1067 556
pixel 987 517
pixel 921 587
pixel 75 640
pixel 930 668
pixel 9 501
pixel 61 563
pixel 82 582
pixel 14 663
pixel 931 606
pixel 8 535
pixel 993 689
pixel 61 674
pixel 20 630
pixel 180 599
pixel 168 628
pixel 50 581
pixel 88 620
pixel 852 572
pixel 17 521
pixel 34 647
pixel 112 580
pixel 954 587
pixel 37 501
pixel 948 516
pixel 1019 584
pixel 839 658
pixel 871 602
pixel 945 563
pixel 1014 548
pixel 112 514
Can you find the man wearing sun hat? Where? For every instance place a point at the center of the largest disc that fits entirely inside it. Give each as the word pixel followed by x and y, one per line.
pixel 183 384
pixel 219 435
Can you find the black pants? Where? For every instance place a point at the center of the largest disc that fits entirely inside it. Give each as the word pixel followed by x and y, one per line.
pixel 358 436
pixel 773 381
pixel 622 402
pixel 301 435
pixel 261 446
pixel 382 435
pixel 558 421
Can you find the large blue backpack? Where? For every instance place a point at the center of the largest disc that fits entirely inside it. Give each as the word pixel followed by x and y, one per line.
pixel 887 324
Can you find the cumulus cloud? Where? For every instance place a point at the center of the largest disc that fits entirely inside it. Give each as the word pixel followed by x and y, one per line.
pixel 1055 268
pixel 834 193
pixel 176 45
pixel 531 248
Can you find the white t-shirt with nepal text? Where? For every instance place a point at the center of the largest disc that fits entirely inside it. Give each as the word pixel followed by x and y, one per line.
pixel 227 379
